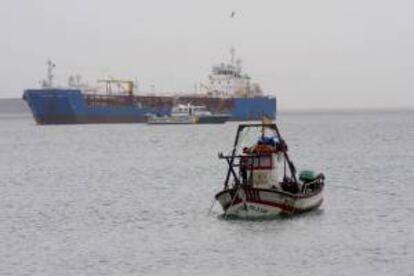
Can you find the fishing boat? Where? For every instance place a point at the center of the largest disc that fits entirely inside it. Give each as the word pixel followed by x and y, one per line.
pixel 188 114
pixel 261 180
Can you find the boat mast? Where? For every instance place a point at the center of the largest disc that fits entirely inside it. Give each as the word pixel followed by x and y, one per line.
pixel 290 163
pixel 233 153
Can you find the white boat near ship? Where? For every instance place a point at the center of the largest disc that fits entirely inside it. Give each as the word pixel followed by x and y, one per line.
pixel 253 188
pixel 189 114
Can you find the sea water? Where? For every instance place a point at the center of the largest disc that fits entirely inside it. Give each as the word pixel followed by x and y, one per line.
pixel 132 199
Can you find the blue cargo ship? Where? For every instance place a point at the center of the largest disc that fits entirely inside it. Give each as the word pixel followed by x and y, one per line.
pixel 228 91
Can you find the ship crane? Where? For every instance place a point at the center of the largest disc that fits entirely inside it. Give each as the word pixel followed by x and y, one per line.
pixel 128 83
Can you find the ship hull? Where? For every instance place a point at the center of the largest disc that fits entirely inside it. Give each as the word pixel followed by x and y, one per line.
pixel 266 203
pixel 71 106
pixel 213 119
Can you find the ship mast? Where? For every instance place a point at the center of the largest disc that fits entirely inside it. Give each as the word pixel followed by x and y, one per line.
pixel 232 55
pixel 49 81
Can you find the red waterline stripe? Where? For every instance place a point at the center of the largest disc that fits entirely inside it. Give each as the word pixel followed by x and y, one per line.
pixel 284 207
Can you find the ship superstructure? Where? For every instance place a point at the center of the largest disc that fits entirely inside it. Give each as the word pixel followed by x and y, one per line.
pixel 227 80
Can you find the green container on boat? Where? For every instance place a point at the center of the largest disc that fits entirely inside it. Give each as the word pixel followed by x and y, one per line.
pixel 307 175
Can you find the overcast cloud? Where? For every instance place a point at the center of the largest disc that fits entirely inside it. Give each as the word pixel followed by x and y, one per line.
pixel 310 54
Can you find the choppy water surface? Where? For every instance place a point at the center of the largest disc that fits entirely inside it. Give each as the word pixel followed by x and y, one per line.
pixel 133 200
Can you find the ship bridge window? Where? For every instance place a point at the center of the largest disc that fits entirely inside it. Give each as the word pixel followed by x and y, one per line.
pixel 225 72
pixel 262 162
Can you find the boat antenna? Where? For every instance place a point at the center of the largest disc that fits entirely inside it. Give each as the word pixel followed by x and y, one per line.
pixel 232 50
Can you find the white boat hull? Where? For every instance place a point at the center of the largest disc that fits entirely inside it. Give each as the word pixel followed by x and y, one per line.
pixel 263 203
pixel 210 119
pixel 172 120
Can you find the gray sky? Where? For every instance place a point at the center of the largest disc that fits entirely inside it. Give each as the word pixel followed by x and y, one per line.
pixel 310 54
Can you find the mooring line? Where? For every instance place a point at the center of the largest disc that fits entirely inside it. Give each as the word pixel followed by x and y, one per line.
pixel 212 205
pixel 234 198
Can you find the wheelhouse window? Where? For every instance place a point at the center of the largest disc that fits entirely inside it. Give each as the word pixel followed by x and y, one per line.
pixel 261 162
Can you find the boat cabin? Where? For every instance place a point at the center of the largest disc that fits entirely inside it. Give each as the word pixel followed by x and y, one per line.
pixel 259 164
pixel 189 110
pixel 264 165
